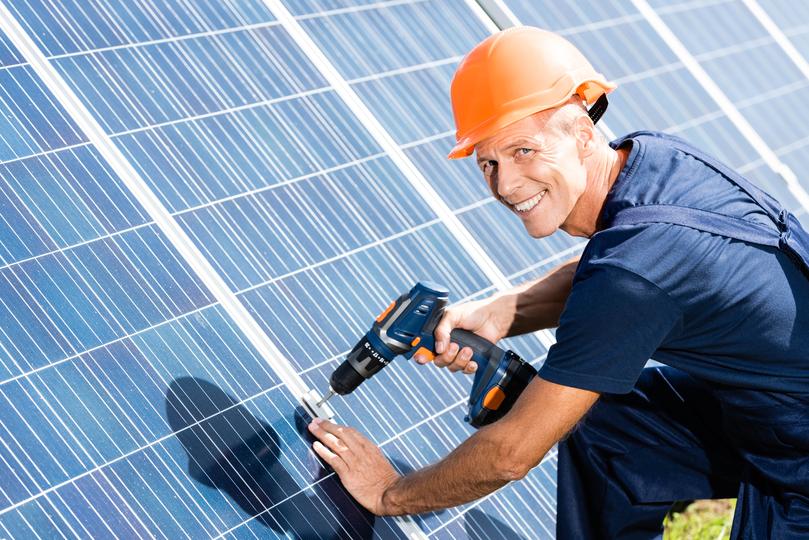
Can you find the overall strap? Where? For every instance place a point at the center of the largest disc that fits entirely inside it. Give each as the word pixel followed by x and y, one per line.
pixel 701 220
pixel 790 237
pixel 762 199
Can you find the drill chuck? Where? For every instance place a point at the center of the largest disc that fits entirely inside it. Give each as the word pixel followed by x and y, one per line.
pixel 362 363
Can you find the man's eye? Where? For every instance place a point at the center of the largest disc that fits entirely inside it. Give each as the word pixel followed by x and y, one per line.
pixel 524 151
pixel 488 166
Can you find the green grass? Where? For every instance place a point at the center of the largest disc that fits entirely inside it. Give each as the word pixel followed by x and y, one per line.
pixel 701 520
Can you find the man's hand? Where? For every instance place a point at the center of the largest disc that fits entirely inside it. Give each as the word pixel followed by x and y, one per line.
pixel 359 463
pixel 486 318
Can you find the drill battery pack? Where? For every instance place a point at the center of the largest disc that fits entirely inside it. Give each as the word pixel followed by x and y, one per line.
pixel 496 387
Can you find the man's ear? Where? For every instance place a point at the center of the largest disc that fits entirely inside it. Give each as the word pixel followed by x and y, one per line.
pixel 585 135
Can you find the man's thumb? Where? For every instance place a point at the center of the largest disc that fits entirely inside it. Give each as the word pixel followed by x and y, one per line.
pixel 442 332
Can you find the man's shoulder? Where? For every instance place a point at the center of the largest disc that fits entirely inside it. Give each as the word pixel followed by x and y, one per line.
pixel 661 253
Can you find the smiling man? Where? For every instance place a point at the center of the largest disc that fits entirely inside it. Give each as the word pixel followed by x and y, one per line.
pixel 686 262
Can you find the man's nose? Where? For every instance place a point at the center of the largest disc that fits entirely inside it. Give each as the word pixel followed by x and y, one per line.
pixel 508 179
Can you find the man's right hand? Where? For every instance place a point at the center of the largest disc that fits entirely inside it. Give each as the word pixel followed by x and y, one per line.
pixel 487 318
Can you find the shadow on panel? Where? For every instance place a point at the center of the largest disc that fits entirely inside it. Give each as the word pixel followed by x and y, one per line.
pixel 481 526
pixel 231 450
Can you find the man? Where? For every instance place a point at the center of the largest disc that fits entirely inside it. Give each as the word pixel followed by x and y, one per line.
pixel 687 263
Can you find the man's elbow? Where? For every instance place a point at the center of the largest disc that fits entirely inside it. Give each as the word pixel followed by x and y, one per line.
pixel 512 472
pixel 511 466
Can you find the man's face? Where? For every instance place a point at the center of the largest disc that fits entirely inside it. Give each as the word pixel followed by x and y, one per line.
pixel 537 173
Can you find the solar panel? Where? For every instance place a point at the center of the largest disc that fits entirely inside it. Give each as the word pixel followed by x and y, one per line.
pixel 204 204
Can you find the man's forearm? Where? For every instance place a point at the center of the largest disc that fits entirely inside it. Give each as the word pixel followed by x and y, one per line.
pixel 539 304
pixel 475 468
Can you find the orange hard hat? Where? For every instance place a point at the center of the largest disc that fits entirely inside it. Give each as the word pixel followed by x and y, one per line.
pixel 515 73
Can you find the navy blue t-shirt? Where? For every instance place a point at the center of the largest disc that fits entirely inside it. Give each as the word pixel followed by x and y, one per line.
pixel 720 309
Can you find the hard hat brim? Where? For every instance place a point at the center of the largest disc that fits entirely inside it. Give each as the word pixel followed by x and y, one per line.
pixel 466 146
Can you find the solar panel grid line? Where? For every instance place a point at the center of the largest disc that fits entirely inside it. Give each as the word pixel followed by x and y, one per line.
pixel 172 39
pixel 358 7
pixel 450 60
pixel 428 139
pixel 221 112
pixel 739 121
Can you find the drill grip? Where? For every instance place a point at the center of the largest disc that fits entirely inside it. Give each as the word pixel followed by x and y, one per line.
pixel 480 346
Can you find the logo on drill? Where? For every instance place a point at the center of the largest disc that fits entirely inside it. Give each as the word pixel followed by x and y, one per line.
pixel 375 355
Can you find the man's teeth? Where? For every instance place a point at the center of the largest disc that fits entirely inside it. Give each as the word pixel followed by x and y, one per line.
pixel 530 203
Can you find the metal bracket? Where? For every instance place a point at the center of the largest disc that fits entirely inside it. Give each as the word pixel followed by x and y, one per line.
pixel 310 402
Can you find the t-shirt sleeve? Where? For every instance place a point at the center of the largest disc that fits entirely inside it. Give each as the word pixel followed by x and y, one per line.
pixel 613 321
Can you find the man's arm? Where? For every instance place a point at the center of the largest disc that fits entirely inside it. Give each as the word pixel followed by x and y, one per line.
pixel 493 456
pixel 537 305
pixel 532 306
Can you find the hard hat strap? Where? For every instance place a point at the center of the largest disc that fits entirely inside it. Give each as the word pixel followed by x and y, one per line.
pixel 598 109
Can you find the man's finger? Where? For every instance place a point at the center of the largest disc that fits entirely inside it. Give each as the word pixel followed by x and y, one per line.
pixel 447 358
pixel 344 433
pixel 470 368
pixel 334 444
pixel 442 331
pixel 461 360
pixel 334 461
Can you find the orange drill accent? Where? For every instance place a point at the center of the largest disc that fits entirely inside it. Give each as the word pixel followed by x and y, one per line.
pixel 416 341
pixel 426 352
pixel 494 398
pixel 385 313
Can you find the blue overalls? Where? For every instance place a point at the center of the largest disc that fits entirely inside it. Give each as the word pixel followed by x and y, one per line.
pixel 676 437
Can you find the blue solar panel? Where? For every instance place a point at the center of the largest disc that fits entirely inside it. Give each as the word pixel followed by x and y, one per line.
pixel 134 402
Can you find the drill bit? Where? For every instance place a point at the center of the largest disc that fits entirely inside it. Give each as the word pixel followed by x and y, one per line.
pixel 327 396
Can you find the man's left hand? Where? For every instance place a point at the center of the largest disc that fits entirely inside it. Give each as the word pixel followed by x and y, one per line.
pixel 359 463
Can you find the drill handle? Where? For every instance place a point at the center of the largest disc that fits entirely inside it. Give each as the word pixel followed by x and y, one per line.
pixel 483 350
pixel 481 346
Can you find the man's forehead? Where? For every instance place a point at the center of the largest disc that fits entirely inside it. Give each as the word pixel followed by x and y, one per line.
pixel 527 130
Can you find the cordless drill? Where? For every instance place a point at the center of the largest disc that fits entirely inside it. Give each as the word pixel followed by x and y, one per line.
pixel 406 327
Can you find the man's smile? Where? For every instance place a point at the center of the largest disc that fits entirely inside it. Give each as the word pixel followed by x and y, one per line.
pixel 529 204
